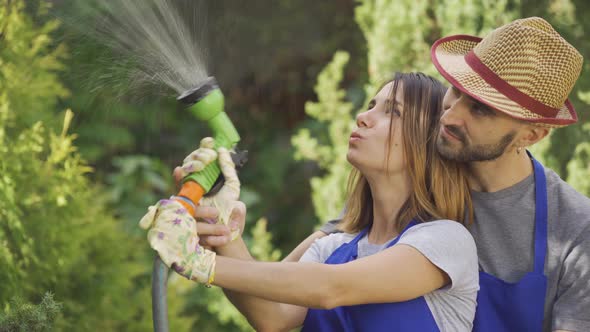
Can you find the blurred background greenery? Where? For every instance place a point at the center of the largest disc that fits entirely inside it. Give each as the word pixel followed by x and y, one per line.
pixel 82 155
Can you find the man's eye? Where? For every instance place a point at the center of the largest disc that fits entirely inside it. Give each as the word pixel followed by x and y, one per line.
pixel 481 109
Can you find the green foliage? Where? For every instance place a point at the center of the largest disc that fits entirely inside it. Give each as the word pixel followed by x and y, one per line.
pixel 24 317
pixel 138 181
pixel 399 34
pixel 328 192
pixel 395 32
pixel 260 243
pixel 29 64
pixel 56 234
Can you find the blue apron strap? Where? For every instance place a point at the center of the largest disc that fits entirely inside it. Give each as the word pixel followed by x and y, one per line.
pixel 540 216
pixel 353 245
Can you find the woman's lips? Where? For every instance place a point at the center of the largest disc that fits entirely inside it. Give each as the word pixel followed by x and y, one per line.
pixel 355 137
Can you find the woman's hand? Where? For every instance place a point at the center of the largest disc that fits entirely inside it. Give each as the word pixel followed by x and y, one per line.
pixel 220 218
pixel 173 234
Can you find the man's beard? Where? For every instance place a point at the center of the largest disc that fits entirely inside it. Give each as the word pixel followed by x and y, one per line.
pixel 467 152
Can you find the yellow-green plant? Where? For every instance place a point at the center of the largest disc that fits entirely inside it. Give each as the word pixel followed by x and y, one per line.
pixel 55 233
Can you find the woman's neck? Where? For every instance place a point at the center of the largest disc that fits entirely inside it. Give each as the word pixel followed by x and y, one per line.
pixel 389 194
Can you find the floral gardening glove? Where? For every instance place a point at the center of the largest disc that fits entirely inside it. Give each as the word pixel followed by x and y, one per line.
pixel 197 160
pixel 225 200
pixel 173 234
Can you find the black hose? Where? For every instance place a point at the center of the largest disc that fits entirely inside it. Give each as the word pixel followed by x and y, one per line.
pixel 159 291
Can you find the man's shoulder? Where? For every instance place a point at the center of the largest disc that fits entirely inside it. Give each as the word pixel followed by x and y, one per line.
pixel 567 197
pixel 573 207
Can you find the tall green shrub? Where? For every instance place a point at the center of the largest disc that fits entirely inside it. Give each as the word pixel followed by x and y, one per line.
pixel 55 233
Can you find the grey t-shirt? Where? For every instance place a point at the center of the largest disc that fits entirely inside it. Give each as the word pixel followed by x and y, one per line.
pixel 503 231
pixel 504 234
pixel 448 245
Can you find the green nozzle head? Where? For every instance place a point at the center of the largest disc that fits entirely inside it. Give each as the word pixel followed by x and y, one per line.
pixel 206 103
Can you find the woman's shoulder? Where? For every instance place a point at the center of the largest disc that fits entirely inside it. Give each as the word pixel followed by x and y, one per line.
pixel 442 236
pixel 322 248
pixel 444 229
pixel 449 246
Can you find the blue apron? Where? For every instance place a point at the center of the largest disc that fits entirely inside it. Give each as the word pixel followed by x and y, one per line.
pixel 411 315
pixel 503 306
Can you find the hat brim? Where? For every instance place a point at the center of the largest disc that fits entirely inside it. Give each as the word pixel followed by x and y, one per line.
pixel 448 56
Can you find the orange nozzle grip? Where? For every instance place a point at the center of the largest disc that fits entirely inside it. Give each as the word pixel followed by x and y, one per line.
pixel 192 191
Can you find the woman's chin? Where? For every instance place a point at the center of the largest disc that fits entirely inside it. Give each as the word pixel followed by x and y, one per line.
pixel 352 158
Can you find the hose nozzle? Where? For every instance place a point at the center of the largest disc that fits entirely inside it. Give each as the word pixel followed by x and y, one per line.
pixel 206 102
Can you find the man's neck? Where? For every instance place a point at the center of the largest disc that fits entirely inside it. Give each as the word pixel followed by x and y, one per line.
pixel 501 173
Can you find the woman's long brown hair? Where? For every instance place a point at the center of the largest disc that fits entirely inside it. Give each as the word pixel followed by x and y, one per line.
pixel 439 189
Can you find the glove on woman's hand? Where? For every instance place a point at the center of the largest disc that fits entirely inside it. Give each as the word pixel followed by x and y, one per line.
pixel 173 234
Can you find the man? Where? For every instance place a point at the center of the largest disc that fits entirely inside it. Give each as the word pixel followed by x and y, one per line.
pixel 532 230
pixel 508 91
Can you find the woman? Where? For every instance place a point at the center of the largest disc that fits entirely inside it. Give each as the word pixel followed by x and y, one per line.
pixel 400 264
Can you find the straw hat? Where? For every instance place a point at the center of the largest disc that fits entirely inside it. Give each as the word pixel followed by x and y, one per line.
pixel 524 69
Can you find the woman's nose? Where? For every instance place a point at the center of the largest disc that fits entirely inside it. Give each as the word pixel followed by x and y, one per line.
pixel 362 119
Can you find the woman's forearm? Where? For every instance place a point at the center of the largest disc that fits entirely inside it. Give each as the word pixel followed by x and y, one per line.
pixel 258 311
pixel 301 284
pixel 235 249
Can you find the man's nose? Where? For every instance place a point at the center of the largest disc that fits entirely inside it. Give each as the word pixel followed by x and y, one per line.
pixel 455 114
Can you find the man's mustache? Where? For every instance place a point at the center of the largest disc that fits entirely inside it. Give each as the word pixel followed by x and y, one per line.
pixel 457 132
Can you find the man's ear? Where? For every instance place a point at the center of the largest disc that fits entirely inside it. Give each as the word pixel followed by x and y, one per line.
pixel 532 134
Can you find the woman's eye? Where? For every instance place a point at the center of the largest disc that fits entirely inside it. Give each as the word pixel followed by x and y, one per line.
pixel 371 105
pixel 395 111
